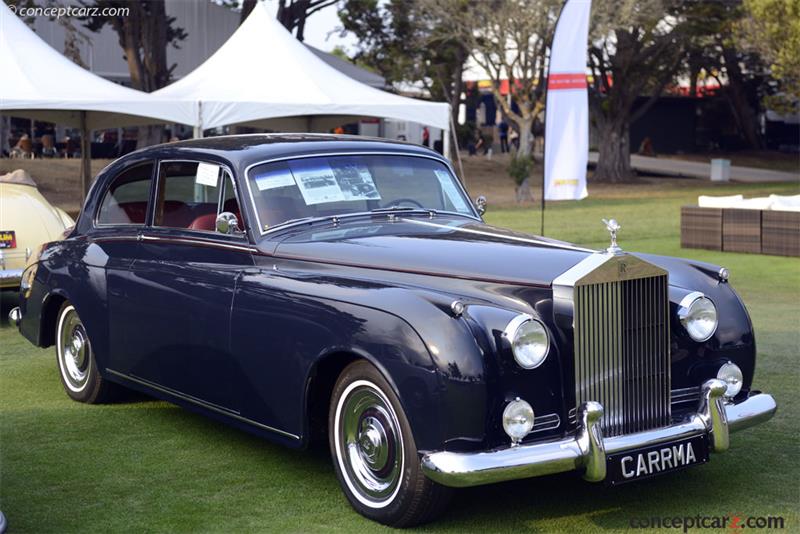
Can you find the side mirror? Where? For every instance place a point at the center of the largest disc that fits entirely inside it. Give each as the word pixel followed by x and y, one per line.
pixel 480 204
pixel 227 223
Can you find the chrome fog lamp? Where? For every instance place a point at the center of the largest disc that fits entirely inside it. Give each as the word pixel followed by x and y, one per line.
pixel 529 341
pixel 698 315
pixel 517 420
pixel 732 376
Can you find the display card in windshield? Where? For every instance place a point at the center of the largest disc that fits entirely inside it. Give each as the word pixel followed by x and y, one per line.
pixel 322 181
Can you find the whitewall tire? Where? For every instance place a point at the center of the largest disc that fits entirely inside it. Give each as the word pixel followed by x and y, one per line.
pixel 374 453
pixel 76 362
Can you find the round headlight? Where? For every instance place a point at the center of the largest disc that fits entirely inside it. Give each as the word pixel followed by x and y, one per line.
pixel 732 376
pixel 517 419
pixel 699 316
pixel 529 341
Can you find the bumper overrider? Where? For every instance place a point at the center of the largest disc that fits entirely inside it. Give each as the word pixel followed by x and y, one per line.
pixel 586 451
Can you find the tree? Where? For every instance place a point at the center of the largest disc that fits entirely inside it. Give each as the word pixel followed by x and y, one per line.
pixel 294 13
pixel 247 8
pixel 772 27
pixel 73 37
pixel 716 49
pixel 398 40
pixel 637 47
pixel 509 40
pixel 144 31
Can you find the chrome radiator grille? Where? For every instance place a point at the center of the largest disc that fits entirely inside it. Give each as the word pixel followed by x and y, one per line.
pixel 622 351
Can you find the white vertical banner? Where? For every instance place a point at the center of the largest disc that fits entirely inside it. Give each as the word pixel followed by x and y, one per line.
pixel 567 112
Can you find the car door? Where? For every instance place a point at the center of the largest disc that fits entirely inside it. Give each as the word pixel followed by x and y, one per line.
pixel 182 287
pixel 113 246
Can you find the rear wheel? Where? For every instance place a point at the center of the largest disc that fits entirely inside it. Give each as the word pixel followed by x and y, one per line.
pixel 374 453
pixel 78 368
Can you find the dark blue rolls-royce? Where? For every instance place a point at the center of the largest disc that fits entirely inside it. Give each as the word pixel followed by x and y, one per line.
pixel 298 286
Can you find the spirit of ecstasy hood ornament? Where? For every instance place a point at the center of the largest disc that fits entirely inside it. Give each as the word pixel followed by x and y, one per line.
pixel 613 227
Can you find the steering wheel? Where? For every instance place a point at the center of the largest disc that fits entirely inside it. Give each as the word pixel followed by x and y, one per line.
pixel 398 201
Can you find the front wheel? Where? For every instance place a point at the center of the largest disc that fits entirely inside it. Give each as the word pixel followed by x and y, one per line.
pixel 76 363
pixel 374 453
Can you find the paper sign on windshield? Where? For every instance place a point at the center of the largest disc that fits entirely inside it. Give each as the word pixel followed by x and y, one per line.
pixel 355 181
pixel 207 174
pixel 316 181
pixel 319 182
pixel 274 180
pixel 450 190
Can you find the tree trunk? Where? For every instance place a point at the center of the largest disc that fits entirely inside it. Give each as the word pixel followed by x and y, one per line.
pixel 742 111
pixel 525 136
pixel 523 191
pixel 614 160
pixel 150 135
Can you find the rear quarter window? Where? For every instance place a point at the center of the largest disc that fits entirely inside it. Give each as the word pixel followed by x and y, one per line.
pixel 126 200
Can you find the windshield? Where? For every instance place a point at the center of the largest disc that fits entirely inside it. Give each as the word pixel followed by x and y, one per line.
pixel 337 185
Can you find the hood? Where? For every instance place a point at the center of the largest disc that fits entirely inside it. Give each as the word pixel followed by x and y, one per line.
pixel 449 247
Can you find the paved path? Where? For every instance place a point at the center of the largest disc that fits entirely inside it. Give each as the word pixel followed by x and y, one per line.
pixel 694 169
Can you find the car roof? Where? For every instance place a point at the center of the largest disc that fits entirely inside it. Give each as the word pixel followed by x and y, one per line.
pixel 245 150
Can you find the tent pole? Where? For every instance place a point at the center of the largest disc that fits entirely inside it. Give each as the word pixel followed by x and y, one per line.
pixel 458 152
pixel 86 157
pixel 198 128
pixel 4 130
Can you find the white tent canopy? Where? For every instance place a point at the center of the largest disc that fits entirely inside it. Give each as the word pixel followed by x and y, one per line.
pixel 38 82
pixel 263 72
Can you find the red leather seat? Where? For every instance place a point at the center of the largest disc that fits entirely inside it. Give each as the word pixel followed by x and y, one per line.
pixel 205 222
pixel 176 214
pixel 136 212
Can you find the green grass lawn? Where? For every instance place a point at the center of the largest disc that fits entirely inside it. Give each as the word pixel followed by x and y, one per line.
pixel 147 466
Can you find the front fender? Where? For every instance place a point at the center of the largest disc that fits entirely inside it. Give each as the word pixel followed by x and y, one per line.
pixel 286 322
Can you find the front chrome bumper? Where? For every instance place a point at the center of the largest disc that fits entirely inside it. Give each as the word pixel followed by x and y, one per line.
pixel 587 450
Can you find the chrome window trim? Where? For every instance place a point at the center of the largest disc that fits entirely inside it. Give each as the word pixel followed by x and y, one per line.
pixel 202 242
pixel 97 224
pixel 442 160
pixel 200 402
pixel 226 169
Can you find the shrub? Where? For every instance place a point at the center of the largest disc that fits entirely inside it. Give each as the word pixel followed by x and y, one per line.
pixel 520 168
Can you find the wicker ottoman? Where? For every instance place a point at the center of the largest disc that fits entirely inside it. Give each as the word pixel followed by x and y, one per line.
pixel 741 230
pixel 780 233
pixel 701 228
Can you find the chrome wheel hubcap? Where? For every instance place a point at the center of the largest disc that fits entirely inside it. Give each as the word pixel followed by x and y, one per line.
pixel 74 356
pixel 369 444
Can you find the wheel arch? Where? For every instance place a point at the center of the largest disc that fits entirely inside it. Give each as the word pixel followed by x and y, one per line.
pixel 49 316
pixel 321 380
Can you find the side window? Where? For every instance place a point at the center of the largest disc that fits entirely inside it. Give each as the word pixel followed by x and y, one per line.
pixel 191 194
pixel 127 197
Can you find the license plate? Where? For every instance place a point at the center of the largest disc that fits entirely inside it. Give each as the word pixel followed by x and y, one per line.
pixel 8 239
pixel 647 462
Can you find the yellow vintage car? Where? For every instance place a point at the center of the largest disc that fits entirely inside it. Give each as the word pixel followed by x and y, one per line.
pixel 27 220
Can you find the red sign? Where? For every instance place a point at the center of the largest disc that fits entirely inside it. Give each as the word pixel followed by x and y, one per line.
pixel 572 80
